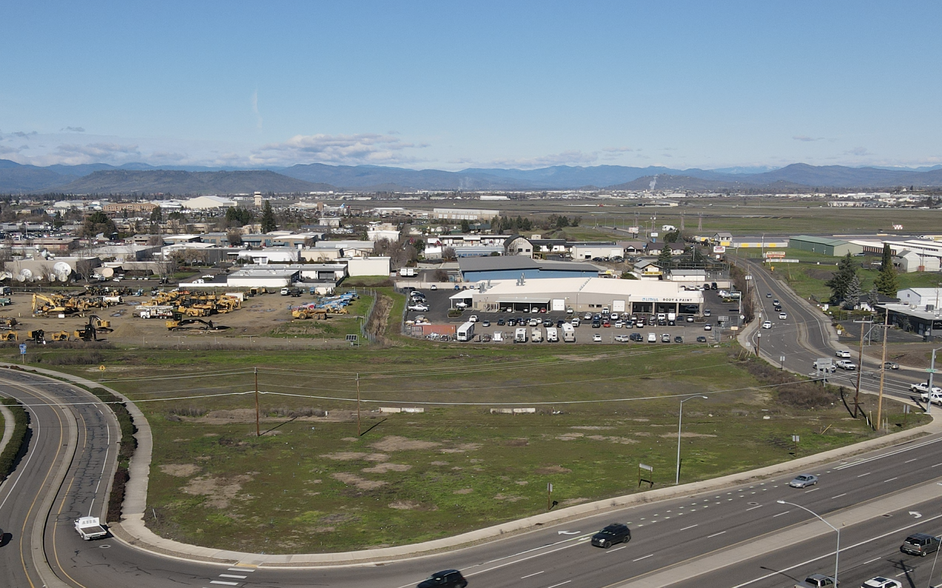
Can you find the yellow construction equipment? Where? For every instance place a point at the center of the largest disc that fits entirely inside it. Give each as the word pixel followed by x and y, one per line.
pixel 51 304
pixel 192 323
pixel 306 313
pixel 99 324
pixel 7 322
pixel 59 336
pixel 10 336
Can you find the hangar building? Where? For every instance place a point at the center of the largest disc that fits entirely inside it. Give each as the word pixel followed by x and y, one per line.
pixel 582 295
pixel 512 267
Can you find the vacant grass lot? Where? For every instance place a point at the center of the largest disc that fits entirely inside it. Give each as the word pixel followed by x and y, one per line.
pixel 312 483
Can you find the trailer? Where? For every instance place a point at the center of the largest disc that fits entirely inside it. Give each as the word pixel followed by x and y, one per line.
pixel 90 528
pixel 552 335
pixel 520 335
pixel 569 333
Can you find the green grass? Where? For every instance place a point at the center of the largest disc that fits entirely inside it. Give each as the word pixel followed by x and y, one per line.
pixel 600 412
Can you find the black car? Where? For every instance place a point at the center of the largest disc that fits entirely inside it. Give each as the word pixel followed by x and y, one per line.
pixel 444 579
pixel 501 322
pixel 701 339
pixel 559 323
pixel 636 337
pixel 547 322
pixel 612 534
pixel 678 339
pixel 511 322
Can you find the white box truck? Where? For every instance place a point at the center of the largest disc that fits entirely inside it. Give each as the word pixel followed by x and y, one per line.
pixel 465 332
pixel 569 333
pixel 552 335
pixel 520 335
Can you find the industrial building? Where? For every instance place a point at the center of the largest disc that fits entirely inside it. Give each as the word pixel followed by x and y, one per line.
pixel 512 267
pixel 581 295
pixel 824 245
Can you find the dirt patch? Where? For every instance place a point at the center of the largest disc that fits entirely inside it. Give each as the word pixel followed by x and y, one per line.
pixel 508 497
pixel 642 434
pixel 570 436
pixel 621 440
pixel 439 463
pixel 181 470
pixel 355 480
pixel 463 491
pixel 516 443
pixel 219 492
pixel 463 448
pixel 387 467
pixel 396 443
pixel 407 505
pixel 688 435
pixel 553 470
pixel 355 456
pixel 591 427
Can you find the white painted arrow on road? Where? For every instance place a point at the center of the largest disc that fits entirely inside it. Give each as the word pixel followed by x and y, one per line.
pixel 915 514
pixel 568 532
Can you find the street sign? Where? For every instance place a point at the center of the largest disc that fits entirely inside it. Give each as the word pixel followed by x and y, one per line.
pixel 22 348
pixel 645 467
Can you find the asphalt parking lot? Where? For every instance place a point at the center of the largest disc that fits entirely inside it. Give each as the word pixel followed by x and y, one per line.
pixel 439 304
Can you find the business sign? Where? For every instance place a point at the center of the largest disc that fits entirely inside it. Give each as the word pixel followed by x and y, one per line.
pixel 634 230
pixel 719 249
pixel 774 254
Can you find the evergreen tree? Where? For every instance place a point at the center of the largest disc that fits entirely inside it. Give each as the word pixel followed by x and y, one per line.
pixel 840 282
pixel 98 222
pixel 852 297
pixel 664 257
pixel 886 283
pixel 268 218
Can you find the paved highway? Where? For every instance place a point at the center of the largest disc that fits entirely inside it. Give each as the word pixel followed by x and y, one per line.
pixel 693 538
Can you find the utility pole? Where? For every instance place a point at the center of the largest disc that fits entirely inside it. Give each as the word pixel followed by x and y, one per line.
pixel 886 323
pixel 859 365
pixel 258 431
pixel 358 404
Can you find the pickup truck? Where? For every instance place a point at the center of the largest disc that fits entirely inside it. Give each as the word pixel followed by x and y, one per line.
pixel 923 388
pixel 816 581
pixel 846 364
pixel 90 528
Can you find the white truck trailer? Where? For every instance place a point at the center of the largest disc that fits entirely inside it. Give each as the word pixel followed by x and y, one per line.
pixel 536 335
pixel 520 335
pixel 90 528
pixel 569 333
pixel 552 334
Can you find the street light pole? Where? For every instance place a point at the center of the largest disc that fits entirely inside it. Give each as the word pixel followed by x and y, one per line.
pixel 931 373
pixel 836 530
pixel 680 420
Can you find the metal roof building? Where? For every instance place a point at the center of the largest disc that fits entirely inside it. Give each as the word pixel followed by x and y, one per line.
pixel 582 294
pixel 512 267
pixel 825 245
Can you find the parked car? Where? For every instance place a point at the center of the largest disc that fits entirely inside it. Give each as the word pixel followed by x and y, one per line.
pixel 708 327
pixel 473 318
pixel 678 339
pixel 418 307
pixel 921 544
pixel 665 338
pixel 621 338
pixel 485 323
pixel 707 312
pixel 689 318
pixel 596 338
pixel 612 535
pixel 501 322
pixel 652 337
pixel 444 579
pixel 842 353
pixel 701 339
pixel 636 337
pixel 803 481
pixel 881 582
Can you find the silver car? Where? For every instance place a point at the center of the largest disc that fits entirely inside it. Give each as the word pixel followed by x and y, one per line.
pixel 803 481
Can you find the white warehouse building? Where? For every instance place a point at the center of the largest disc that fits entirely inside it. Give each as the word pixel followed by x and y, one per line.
pixel 582 295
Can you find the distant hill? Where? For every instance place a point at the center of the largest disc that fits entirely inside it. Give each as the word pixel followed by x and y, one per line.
pixel 183 182
pixel 142 178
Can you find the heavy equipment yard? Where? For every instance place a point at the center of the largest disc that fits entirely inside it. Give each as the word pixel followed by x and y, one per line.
pixel 184 318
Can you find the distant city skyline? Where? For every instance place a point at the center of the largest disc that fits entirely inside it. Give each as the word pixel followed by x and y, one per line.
pixel 433 85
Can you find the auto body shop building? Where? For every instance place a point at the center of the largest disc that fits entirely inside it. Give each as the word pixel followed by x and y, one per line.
pixel 582 295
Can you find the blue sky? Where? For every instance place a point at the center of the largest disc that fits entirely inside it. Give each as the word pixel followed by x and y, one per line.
pixel 451 85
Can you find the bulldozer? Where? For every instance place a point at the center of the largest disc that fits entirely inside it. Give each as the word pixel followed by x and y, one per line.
pixel 10 336
pixel 192 323
pixel 306 313
pixel 59 336
pixel 37 336
pixel 86 333
pixel 99 324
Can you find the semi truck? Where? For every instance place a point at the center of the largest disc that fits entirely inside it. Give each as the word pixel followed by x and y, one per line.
pixel 90 528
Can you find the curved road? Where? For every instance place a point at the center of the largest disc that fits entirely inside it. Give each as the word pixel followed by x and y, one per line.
pixel 696 534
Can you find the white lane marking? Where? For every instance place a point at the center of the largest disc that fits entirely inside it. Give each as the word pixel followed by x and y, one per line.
pixel 830 555
pixel 839 495
pixel 862 475
pixel 690 527
pixel 891 479
pixel 246 570
pixel 887 454
pixel 910 460
pixel 715 535
pixel 224 583
pixel 616 549
pixel 812 490
pixel 560 584
pixel 643 557
pixel 781 513
pixel 869 561
pixel 232 576
pixel 754 507
pixel 531 575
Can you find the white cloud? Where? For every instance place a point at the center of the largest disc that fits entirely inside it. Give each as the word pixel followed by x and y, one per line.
pixel 73 154
pixel 365 148
pixel 858 151
pixel 563 158
pixel 73 130
pixel 807 138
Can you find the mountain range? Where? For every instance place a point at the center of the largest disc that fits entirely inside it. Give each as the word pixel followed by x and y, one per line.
pixel 140 178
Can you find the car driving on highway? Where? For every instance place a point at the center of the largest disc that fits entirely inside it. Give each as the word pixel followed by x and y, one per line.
pixel 444 579
pixel 612 534
pixel 881 582
pixel 803 481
